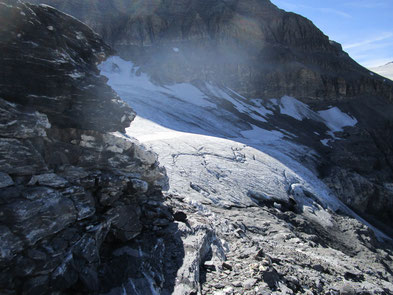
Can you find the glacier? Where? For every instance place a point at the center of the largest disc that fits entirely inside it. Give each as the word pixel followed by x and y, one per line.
pixel 222 149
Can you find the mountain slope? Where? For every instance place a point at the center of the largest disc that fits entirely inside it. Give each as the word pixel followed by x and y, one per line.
pixel 256 48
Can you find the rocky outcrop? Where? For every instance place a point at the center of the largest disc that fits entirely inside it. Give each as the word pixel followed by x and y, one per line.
pixel 71 182
pixel 251 46
pixel 359 166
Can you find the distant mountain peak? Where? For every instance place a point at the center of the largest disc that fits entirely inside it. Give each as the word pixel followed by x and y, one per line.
pixel 386 70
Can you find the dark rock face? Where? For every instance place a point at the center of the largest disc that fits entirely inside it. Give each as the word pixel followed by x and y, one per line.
pixel 251 46
pixel 35 43
pixel 70 185
pixel 359 167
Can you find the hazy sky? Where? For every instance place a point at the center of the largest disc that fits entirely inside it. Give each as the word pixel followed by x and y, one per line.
pixel 363 27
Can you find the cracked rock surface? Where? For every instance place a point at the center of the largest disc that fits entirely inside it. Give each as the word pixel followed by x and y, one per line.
pixel 71 182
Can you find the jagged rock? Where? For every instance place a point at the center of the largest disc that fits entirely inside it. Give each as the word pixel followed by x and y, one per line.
pixel 125 220
pixel 5 180
pixel 180 216
pixel 71 55
pixel 347 289
pixel 50 179
pixel 83 200
pixel 17 123
pixel 71 184
pixel 24 159
pixel 140 186
pixel 210 266
pixel 249 283
pixel 10 245
pixel 49 212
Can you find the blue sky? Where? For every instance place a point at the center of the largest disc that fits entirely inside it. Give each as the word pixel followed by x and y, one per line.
pixel 363 27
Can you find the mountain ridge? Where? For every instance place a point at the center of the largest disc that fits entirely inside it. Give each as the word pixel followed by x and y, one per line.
pixel 256 48
pixel 385 70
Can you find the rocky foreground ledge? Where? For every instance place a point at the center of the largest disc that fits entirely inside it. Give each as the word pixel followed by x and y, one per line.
pixel 81 208
pixel 70 183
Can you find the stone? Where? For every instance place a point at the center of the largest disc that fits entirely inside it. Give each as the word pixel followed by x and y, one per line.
pixel 237 284
pixel 226 265
pixel 84 203
pixel 271 278
pixel 41 217
pixel 318 268
pixel 36 254
pixel 126 221
pixel 228 290
pixel 24 159
pixel 139 186
pixel 249 283
pixel 65 274
pixel 36 284
pixel 347 289
pixel 49 179
pixel 5 180
pixel 17 123
pixel 210 265
pixel 354 276
pixel 180 216
pixel 9 244
pixel 54 101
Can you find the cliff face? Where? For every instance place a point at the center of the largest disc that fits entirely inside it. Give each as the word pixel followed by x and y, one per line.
pixel 70 181
pixel 256 48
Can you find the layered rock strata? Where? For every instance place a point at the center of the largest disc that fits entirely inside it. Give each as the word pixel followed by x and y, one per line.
pixel 253 46
pixel 70 181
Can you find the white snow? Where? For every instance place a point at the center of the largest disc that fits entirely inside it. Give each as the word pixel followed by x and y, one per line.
pixel 257 134
pixel 336 120
pixel 175 49
pixel 50 28
pixel 211 154
pixel 385 70
pixel 33 44
pixel 325 142
pixel 333 117
pixel 294 108
pixel 76 75
pixel 80 36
